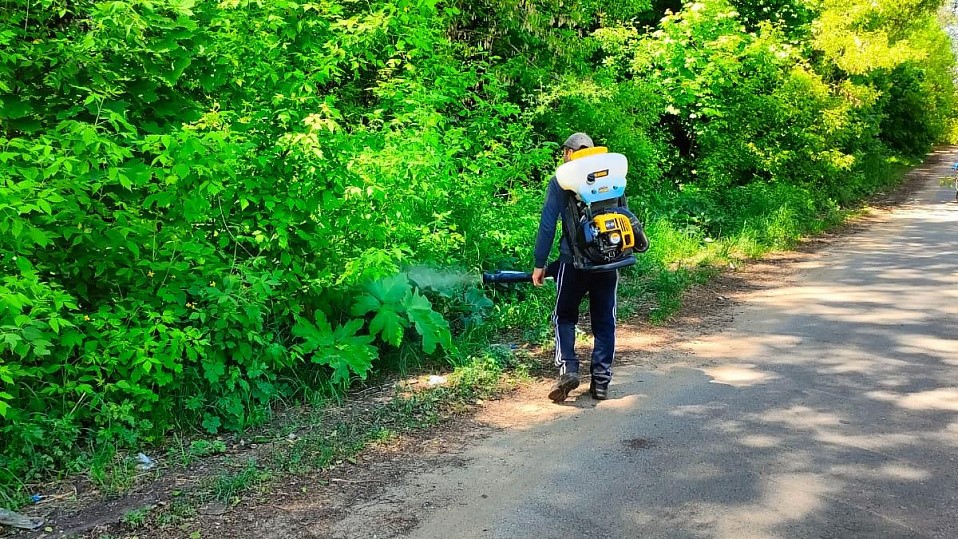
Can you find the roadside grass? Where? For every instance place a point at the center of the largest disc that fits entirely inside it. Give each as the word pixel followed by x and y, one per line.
pixel 228 485
pixel 111 472
pixel 136 518
pixel 178 511
pixel 182 453
pixel 321 437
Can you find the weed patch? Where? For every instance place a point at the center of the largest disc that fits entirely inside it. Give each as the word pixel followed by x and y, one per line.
pixel 324 436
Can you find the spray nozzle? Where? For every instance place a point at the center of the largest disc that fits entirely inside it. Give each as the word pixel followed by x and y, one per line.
pixel 514 277
pixel 506 277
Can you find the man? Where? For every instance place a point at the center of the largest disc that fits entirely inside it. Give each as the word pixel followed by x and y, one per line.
pixel 572 286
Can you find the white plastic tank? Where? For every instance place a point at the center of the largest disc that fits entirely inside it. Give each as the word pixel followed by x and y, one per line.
pixel 594 177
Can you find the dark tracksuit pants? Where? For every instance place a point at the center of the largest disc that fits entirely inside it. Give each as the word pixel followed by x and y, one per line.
pixel 572 286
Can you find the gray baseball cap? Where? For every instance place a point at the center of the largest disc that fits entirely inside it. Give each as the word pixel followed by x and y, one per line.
pixel 577 141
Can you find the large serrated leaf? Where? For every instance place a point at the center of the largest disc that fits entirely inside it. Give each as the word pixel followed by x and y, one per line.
pixel 389 291
pixel 365 304
pixel 347 332
pixel 352 357
pixel 477 300
pixel 345 352
pixel 315 336
pixel 389 325
pixel 416 301
pixel 428 323
pixel 393 289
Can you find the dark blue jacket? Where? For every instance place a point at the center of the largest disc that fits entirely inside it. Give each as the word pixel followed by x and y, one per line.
pixel 556 206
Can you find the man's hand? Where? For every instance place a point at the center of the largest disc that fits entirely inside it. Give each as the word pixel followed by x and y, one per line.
pixel 538 276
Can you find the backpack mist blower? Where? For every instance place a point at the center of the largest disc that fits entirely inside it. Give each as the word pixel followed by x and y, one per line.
pixel 603 233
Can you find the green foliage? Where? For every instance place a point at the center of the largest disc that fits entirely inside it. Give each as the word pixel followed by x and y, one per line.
pixel 230 483
pixel 207 206
pixel 112 472
pixel 397 305
pixel 135 518
pixel 203 448
pixel 341 349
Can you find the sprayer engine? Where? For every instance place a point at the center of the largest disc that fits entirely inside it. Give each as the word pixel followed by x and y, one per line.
pixel 604 234
pixel 611 235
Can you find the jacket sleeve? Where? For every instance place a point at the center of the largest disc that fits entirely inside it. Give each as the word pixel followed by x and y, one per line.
pixel 551 210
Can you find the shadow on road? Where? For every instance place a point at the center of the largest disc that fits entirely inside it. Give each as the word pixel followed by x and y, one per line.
pixel 832 406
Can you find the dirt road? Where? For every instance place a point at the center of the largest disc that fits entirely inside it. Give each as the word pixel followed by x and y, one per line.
pixel 828 407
